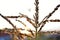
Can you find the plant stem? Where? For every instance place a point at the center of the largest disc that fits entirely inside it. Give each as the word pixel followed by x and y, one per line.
pixel 36 17
pixel 36 34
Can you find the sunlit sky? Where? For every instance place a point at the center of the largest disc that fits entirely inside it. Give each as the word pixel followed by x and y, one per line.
pixel 27 7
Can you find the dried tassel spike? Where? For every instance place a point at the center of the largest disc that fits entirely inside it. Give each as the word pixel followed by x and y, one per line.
pixel 56 20
pixel 48 16
pixel 21 22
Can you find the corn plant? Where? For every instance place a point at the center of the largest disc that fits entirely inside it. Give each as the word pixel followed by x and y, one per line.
pixel 35 23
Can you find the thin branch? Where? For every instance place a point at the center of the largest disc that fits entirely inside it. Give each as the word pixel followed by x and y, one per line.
pixel 28 19
pixel 31 32
pixel 30 22
pixel 12 16
pixel 21 22
pixel 48 16
pixel 37 11
pixel 42 25
pixel 8 21
pixel 25 26
pixel 56 20
pixel 25 16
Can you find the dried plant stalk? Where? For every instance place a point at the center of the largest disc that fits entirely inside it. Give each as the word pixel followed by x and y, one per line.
pixel 25 16
pixel 25 26
pixel 28 19
pixel 36 17
pixel 42 25
pixel 21 22
pixel 8 21
pixel 12 16
pixel 19 35
pixel 34 22
pixel 48 16
pixel 31 32
pixel 56 20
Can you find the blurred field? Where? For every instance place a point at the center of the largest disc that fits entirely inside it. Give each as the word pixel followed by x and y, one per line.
pixel 41 36
pixel 47 36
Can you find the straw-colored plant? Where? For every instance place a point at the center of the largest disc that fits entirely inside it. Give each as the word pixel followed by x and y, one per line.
pixel 35 23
